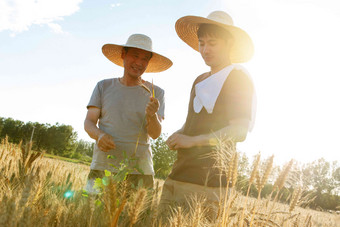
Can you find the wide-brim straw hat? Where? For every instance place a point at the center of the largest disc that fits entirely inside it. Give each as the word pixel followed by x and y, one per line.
pixel 242 49
pixel 157 63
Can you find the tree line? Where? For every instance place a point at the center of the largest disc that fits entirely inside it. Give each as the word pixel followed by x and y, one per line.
pixel 319 181
pixel 58 139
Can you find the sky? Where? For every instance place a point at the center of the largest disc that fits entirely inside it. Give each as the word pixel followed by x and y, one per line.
pixel 51 59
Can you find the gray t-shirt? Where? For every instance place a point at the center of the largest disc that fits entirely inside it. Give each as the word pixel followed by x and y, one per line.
pixel 122 114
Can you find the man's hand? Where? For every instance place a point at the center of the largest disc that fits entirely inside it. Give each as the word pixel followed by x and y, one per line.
pixel 177 141
pixel 105 142
pixel 153 125
pixel 152 107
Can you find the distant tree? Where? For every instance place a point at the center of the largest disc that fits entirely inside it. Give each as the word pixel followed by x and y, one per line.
pixel 61 140
pixel 322 176
pixel 84 148
pixel 40 137
pixel 2 121
pixel 243 164
pixel 13 129
pixel 57 139
pixel 26 131
pixel 335 180
pixel 243 173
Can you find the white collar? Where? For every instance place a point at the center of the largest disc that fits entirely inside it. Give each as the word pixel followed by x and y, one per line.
pixel 208 90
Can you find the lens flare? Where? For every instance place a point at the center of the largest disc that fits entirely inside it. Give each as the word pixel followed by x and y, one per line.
pixel 68 194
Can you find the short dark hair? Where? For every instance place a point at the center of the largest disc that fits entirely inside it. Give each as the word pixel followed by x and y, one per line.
pixel 213 31
pixel 127 48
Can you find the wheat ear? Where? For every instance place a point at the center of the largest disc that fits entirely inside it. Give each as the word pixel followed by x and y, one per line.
pixel 295 198
pixel 137 206
pixel 253 174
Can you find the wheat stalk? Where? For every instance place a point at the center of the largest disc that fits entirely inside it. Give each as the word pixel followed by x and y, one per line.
pixel 142 125
pixel 145 88
pixel 280 182
pixel 118 212
pixel 137 206
pixel 283 176
pixel 153 90
pixel 155 204
pixel 253 174
pixel 308 221
pixel 261 181
pixel 295 198
pixel 256 164
pixel 234 170
pixel 179 220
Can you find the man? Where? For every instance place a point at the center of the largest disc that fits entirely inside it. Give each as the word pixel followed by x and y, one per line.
pixel 221 105
pixel 126 111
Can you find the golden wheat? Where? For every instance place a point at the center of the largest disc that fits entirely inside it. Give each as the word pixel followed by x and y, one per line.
pixel 32 194
pixel 137 206
pixel 283 176
pixel 295 198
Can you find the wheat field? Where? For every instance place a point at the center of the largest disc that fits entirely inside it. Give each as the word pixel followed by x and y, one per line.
pixel 37 191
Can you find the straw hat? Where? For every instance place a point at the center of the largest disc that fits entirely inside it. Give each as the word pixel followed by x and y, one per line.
pixel 157 63
pixel 243 48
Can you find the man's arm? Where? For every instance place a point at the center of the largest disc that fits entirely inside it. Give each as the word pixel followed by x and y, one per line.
pixel 236 130
pixel 153 126
pixel 104 140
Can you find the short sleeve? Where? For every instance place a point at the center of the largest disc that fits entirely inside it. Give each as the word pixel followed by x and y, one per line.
pixel 95 99
pixel 161 99
pixel 239 91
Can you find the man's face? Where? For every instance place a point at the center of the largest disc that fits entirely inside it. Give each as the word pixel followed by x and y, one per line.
pixel 214 51
pixel 135 61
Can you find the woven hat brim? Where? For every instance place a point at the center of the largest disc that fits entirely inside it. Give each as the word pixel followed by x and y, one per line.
pixel 242 50
pixel 157 63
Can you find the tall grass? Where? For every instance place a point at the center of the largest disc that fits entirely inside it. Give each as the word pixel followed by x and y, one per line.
pixel 35 191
